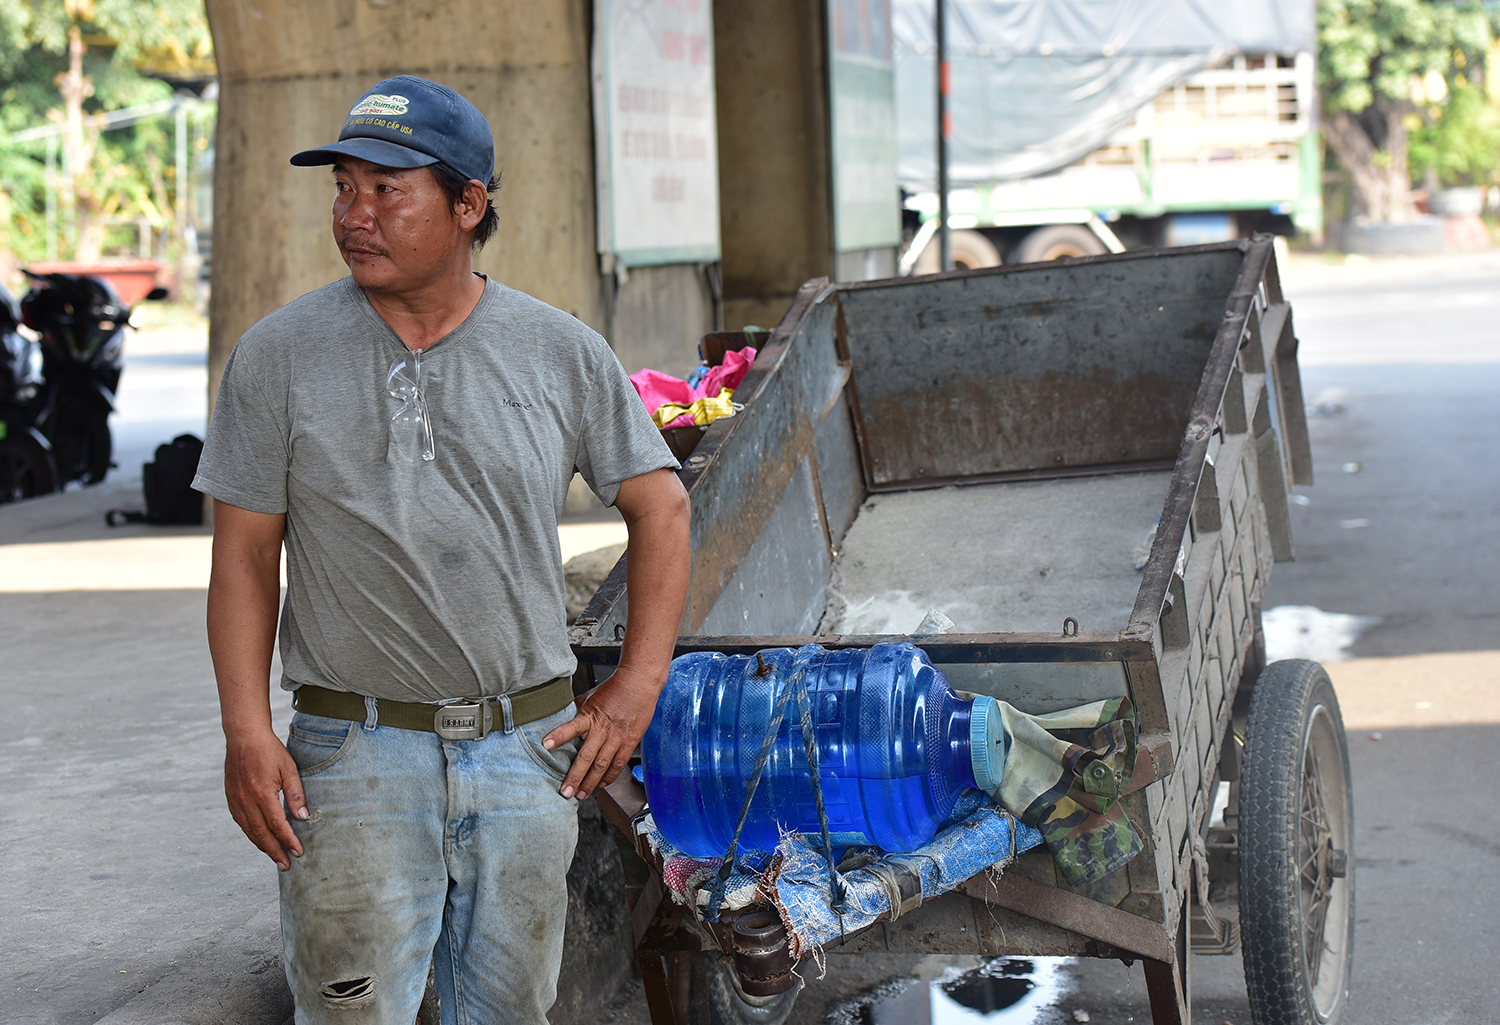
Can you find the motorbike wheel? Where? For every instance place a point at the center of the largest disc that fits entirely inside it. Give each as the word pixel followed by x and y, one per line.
pixel 26 467
pixel 98 449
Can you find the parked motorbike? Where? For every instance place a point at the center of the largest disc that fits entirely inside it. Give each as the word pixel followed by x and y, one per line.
pixel 26 464
pixel 57 422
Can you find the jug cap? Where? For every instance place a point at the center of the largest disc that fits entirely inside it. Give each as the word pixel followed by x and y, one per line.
pixel 986 743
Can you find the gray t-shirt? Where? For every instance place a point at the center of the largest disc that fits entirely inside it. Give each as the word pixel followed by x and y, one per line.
pixel 428 580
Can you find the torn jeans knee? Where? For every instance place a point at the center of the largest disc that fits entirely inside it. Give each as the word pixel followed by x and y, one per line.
pixel 349 992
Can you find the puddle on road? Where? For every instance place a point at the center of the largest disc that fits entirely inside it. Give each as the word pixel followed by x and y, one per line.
pixel 1303 631
pixel 1003 991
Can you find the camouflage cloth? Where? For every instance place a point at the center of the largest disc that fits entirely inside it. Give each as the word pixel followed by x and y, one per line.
pixel 1064 773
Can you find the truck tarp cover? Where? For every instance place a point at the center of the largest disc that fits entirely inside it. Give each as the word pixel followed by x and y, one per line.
pixel 1037 84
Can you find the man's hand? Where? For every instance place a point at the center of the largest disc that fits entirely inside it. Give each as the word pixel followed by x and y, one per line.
pixel 612 720
pixel 614 717
pixel 257 772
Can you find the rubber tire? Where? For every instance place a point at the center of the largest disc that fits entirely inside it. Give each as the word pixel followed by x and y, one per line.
pixel 99 447
pixel 26 467
pixel 715 999
pixel 1293 709
pixel 1056 241
pixel 970 249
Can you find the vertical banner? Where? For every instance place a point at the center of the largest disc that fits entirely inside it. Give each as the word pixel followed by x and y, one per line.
pixel 862 104
pixel 655 131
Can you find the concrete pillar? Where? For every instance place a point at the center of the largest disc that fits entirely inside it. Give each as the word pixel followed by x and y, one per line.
pixel 289 71
pixel 775 192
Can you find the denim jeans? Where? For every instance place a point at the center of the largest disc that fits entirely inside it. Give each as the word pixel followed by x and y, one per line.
pixel 421 851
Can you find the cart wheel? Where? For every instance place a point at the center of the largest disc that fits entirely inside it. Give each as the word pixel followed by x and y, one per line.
pixel 1296 849
pixel 715 998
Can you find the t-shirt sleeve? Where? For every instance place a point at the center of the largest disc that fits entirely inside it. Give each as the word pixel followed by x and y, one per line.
pixel 245 455
pixel 617 439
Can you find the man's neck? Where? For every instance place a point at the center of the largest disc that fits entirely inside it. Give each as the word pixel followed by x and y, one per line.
pixel 424 316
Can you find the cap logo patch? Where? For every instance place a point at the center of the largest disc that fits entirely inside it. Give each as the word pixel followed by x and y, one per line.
pixel 377 103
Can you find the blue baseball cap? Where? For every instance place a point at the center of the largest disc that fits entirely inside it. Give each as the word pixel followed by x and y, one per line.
pixel 410 122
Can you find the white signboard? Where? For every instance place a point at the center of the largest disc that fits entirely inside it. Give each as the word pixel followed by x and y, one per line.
pixel 655 131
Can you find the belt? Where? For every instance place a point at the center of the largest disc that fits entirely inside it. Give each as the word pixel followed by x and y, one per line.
pixel 465 719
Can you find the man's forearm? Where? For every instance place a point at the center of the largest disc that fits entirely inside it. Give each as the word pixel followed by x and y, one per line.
pixel 244 591
pixel 657 562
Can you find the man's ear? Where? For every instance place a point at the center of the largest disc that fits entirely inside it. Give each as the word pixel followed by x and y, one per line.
pixel 471 205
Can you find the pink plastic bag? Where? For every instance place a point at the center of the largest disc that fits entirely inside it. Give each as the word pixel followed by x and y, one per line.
pixel 657 389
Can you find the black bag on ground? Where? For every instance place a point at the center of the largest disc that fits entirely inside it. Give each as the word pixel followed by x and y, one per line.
pixel 168 484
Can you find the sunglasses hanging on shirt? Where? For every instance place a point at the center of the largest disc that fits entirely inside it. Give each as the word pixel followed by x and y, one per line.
pixel 411 425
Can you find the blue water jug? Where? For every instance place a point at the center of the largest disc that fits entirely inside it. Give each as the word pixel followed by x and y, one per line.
pixel 895 747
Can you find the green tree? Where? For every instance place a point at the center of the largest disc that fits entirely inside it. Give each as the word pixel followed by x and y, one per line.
pixel 1377 60
pixel 94 53
pixel 1460 142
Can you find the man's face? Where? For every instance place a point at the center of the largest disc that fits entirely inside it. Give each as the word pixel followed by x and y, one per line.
pixel 394 227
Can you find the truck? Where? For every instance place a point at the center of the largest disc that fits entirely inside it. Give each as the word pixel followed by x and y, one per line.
pixel 1073 139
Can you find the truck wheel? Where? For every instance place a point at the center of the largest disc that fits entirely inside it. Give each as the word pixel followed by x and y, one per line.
pixel 1296 841
pixel 1056 241
pixel 26 467
pixel 715 998
pixel 971 251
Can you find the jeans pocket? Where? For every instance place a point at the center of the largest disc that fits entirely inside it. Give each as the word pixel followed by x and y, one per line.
pixel 557 761
pixel 316 742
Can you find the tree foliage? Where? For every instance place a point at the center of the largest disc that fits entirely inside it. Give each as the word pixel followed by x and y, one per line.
pixel 136 32
pixel 66 62
pixel 1377 62
pixel 1459 144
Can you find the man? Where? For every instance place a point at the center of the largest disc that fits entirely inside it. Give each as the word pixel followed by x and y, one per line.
pixel 410 432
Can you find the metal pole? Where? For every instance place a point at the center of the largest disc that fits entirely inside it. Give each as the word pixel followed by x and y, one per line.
pixel 945 244
pixel 180 206
pixel 52 197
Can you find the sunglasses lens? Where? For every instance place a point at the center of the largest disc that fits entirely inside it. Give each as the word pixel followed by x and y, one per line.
pixel 411 429
pixel 401 381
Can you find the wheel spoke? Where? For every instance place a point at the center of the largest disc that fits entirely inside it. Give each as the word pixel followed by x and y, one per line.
pixel 1313 844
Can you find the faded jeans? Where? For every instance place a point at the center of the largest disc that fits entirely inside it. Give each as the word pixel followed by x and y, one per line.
pixel 421 851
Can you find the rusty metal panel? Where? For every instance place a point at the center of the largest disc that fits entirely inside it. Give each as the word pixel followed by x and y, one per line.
pixel 1073 912
pixel 1040 687
pixel 778 586
pixel 1279 352
pixel 840 481
pixel 1037 367
pixel 1206 411
pixel 755 454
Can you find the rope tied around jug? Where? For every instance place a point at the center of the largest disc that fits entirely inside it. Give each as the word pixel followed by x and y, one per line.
pixel 796 684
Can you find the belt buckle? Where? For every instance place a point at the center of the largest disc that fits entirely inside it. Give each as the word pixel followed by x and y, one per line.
pixel 466 720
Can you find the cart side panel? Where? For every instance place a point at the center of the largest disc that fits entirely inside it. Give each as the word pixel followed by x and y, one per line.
pixel 743 470
pixel 1036 368
pixel 779 585
pixel 840 482
pixel 1236 529
pixel 1040 687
